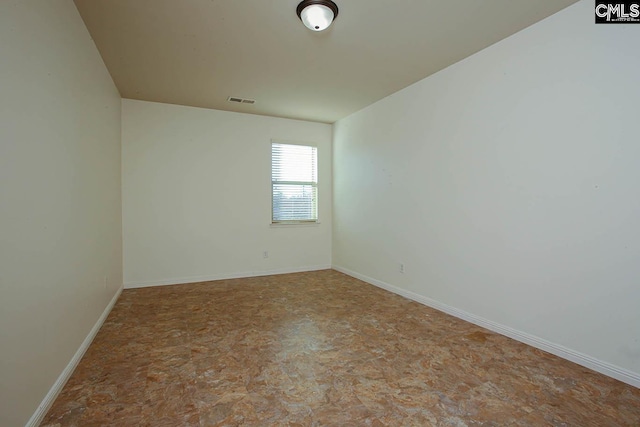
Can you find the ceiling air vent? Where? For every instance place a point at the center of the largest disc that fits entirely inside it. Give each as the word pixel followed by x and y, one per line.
pixel 241 100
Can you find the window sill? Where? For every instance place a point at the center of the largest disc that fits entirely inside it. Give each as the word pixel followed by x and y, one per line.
pixel 294 224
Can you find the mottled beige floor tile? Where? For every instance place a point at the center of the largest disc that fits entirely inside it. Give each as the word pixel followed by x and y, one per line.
pixel 320 349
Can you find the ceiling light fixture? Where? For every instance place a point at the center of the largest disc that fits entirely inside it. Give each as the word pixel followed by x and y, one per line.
pixel 317 15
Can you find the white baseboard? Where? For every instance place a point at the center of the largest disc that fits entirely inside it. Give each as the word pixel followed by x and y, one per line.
pixel 55 390
pixel 211 277
pixel 587 361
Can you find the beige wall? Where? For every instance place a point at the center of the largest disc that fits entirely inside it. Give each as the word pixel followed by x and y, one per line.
pixel 507 185
pixel 196 191
pixel 60 219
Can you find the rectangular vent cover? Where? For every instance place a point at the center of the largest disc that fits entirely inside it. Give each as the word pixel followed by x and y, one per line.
pixel 241 100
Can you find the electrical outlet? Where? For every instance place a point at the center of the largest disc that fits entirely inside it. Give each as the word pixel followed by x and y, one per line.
pixel 401 268
pixel 265 254
pixel 104 281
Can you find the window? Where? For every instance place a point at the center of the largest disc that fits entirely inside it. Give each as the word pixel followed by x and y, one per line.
pixel 294 183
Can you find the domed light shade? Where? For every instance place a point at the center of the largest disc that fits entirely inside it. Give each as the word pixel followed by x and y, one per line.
pixel 317 15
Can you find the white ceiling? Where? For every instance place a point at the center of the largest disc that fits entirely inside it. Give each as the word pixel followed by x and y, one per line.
pixel 199 52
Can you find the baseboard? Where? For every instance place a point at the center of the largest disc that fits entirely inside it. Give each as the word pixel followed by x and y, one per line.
pixel 55 390
pixel 587 361
pixel 211 277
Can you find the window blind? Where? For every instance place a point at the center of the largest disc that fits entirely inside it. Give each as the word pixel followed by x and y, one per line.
pixel 294 183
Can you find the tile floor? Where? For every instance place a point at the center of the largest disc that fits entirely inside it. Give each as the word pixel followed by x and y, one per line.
pixel 320 349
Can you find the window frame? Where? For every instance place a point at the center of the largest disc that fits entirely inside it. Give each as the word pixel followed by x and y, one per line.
pixel 277 223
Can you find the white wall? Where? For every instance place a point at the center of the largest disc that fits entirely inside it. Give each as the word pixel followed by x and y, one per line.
pixel 60 220
pixel 508 185
pixel 197 195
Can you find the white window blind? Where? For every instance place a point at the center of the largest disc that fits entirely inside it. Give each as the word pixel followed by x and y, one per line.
pixel 294 183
